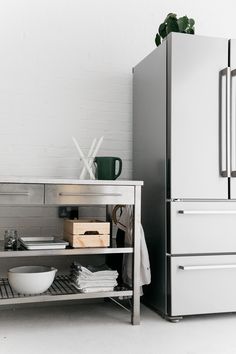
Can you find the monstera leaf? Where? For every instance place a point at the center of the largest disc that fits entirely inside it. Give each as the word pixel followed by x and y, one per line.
pixel 158 40
pixel 172 25
pixel 183 23
pixel 191 22
pixel 190 30
pixel 162 30
pixel 171 15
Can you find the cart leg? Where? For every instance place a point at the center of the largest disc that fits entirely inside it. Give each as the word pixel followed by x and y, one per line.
pixel 136 312
pixel 136 258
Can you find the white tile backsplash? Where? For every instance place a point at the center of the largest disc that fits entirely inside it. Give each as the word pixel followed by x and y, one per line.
pixel 66 70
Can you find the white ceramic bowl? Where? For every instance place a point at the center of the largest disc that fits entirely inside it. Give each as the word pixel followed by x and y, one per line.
pixel 31 279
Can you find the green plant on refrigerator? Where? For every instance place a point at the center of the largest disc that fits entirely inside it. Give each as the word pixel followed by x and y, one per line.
pixel 174 24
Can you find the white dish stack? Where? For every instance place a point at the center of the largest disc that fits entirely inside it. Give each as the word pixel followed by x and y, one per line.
pixel 93 278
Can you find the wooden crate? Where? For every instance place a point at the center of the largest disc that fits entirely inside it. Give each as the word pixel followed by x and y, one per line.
pixel 82 226
pixel 86 241
pixel 87 233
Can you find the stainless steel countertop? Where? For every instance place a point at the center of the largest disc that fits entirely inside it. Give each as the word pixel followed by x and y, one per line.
pixel 42 180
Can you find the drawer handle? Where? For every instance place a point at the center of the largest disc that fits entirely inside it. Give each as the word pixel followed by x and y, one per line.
pixel 196 212
pixel 64 194
pixel 14 193
pixel 205 267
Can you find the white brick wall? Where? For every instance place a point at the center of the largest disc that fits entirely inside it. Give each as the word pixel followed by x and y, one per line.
pixel 61 75
pixel 65 69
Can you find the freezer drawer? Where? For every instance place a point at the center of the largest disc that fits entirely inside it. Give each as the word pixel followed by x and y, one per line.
pixel 203 284
pixel 21 194
pixel 203 227
pixel 74 195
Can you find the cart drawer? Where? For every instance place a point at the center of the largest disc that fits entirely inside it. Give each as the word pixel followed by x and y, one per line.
pixel 203 284
pixel 19 194
pixel 74 194
pixel 203 227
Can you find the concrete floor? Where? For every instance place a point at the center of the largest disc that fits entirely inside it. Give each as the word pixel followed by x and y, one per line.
pixel 104 328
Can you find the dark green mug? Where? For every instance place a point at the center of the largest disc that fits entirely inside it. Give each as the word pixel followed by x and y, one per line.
pixel 106 167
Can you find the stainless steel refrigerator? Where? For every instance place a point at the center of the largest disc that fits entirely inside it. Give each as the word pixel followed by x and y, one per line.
pixel 184 107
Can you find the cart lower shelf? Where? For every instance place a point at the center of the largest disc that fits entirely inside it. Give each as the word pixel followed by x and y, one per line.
pixel 60 290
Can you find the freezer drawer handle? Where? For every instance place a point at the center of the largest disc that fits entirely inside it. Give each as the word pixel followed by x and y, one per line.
pixel 205 267
pixel 213 212
pixel 64 194
pixel 14 193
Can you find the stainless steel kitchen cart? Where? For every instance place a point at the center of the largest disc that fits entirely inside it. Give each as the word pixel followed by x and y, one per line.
pixel 31 191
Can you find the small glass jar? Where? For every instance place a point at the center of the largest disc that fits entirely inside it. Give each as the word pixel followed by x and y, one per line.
pixel 11 239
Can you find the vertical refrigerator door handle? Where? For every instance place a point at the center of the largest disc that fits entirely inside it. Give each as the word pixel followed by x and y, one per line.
pixel 225 117
pixel 233 124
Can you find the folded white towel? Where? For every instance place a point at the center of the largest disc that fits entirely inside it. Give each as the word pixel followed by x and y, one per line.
pixel 86 276
pixel 93 272
pixel 93 278
pixel 86 284
pixel 94 289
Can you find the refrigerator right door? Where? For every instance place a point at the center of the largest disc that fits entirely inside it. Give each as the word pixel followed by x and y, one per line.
pixel 233 118
pixel 197 115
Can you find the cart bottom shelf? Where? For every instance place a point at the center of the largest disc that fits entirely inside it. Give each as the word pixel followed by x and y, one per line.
pixel 60 290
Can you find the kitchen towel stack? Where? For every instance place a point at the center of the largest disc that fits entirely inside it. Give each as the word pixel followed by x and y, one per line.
pixel 93 278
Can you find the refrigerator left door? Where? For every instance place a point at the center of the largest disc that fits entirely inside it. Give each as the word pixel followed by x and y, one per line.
pixel 197 115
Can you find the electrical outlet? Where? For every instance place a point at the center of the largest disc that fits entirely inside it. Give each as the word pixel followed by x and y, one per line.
pixel 68 212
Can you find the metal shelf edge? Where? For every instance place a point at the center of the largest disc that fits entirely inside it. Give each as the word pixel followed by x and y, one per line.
pixel 66 252
pixel 50 298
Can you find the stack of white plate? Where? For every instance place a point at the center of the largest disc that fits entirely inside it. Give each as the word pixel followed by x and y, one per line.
pixel 43 243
